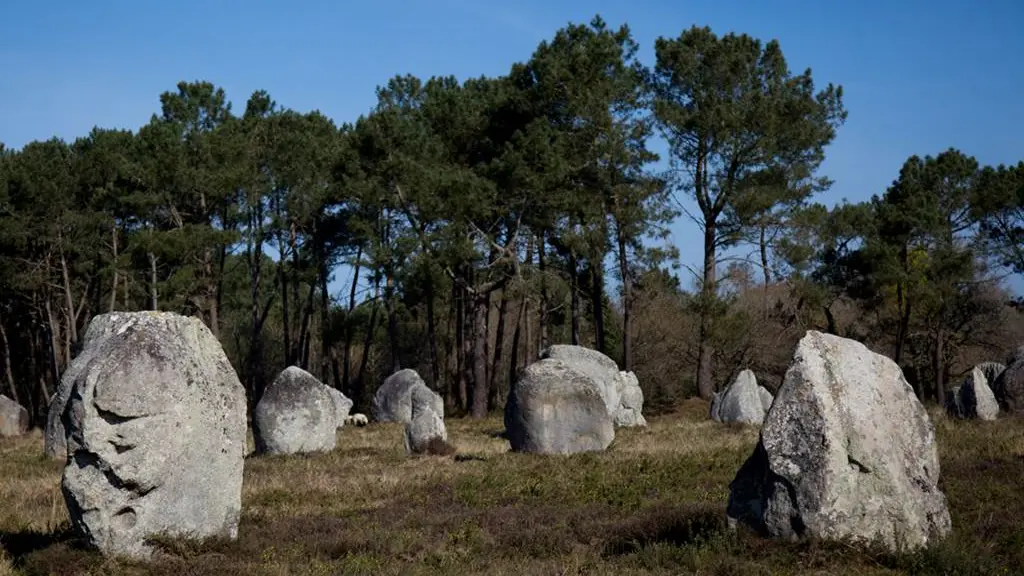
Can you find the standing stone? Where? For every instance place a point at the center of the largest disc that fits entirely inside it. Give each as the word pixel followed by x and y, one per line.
pixel 426 425
pixel 847 451
pixel 100 328
pixel 297 414
pixel 155 435
pixel 973 398
pixel 13 418
pixel 631 402
pixel 600 368
pixel 1009 386
pixel 393 403
pixel 554 409
pixel 740 402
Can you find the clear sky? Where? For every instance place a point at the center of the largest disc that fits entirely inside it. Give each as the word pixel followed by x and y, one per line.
pixel 919 76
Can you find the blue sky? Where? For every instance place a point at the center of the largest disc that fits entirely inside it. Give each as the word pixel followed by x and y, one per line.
pixel 919 76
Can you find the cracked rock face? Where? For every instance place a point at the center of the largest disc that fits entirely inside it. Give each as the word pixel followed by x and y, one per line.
pixel 846 451
pixel 100 328
pixel 155 435
pixel 297 413
pixel 393 400
pixel 554 409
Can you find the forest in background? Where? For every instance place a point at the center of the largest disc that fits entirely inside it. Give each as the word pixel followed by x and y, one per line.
pixel 481 221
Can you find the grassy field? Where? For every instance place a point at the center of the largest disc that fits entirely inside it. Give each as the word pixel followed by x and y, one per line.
pixel 652 504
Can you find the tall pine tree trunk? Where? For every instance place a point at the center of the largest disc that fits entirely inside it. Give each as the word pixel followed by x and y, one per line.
pixel 597 303
pixel 939 364
pixel 153 302
pixel 113 286
pixel 435 360
pixel 513 361
pixel 392 305
pixel 762 241
pixel 574 286
pixel 8 371
pixel 325 339
pixel 627 303
pixel 499 346
pixel 481 306
pixel 347 354
pixel 360 387
pixel 705 385
pixel 543 305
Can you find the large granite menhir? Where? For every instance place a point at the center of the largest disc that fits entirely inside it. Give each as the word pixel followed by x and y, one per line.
pixel 155 424
pixel 846 451
pixel 298 414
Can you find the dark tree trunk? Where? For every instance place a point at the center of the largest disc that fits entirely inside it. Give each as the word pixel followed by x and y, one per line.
pixel 705 385
pixel 347 354
pixel 764 268
pixel 460 345
pixel 360 387
pixel 543 306
pixel 597 303
pixel 391 299
pixel 325 319
pixel 113 286
pixel 481 306
pixel 513 361
pixel 939 364
pixel 254 251
pixel 302 354
pixel 627 304
pixel 904 307
pixel 8 371
pixel 435 360
pixel 499 346
pixel 52 335
pixel 153 302
pixel 574 298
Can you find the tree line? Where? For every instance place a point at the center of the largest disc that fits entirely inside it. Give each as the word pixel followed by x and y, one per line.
pixel 481 221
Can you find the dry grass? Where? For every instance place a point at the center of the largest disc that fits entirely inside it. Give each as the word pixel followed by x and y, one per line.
pixel 652 504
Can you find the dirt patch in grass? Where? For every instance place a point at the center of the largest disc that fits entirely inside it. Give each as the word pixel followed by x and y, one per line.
pixel 652 504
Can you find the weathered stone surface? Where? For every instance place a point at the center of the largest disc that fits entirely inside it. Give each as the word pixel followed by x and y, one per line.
pixel 554 409
pixel 426 425
pixel 13 417
pixel 766 398
pixel 100 328
pixel 973 398
pixel 393 403
pixel 155 435
pixel 740 402
pixel 631 402
pixel 342 404
pixel 1009 386
pixel 847 451
pixel 596 366
pixel 296 414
